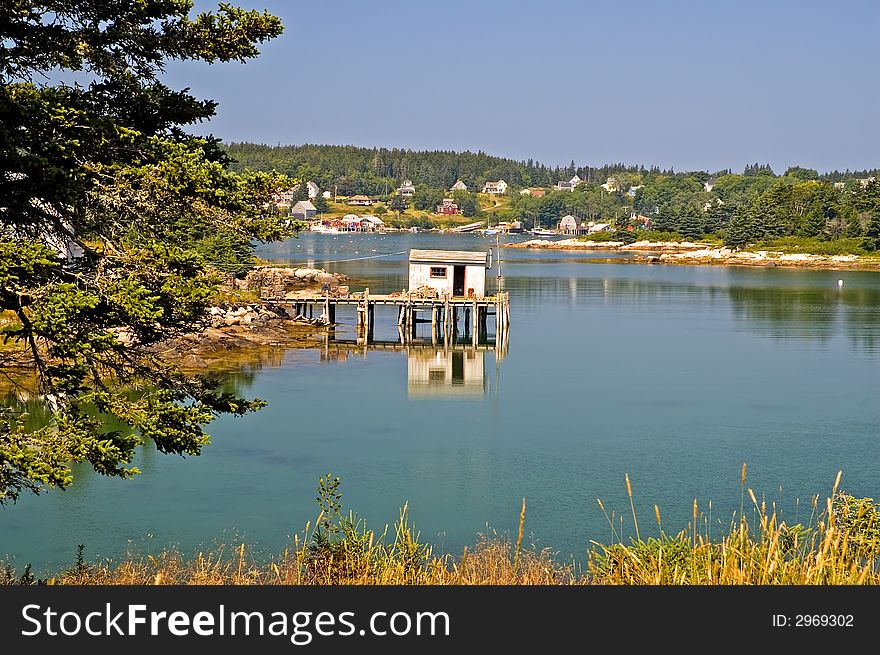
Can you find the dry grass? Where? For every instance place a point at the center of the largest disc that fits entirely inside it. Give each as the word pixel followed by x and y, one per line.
pixel 839 546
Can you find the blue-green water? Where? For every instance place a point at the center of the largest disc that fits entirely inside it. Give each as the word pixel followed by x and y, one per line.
pixel 675 375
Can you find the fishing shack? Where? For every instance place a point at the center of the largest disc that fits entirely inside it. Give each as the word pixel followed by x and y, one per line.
pixel 459 273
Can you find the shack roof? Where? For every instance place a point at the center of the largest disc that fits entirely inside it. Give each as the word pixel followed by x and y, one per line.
pixel 449 256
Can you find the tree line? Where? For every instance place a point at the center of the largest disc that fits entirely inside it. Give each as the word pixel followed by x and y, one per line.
pixel 740 208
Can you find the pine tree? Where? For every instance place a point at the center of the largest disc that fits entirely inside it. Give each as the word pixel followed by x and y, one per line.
pixel 111 215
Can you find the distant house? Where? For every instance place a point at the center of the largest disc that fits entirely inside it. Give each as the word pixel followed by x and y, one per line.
pixel 569 185
pixel 598 227
pixel 533 192
pixel 327 195
pixel 646 221
pixel 631 192
pixel 459 186
pixel 840 185
pixel 498 188
pixel 372 223
pixel 303 210
pixel 448 206
pixel 283 198
pixel 313 190
pixel 865 181
pixel 361 200
pixel 569 225
pixel 610 185
pixel 406 189
pixel 709 184
pixel 450 272
pixel 712 203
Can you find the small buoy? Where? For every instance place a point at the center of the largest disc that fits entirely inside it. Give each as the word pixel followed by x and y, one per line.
pixel 840 283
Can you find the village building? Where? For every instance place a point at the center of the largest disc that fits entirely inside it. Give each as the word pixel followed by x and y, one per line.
pixel 313 190
pixel 448 206
pixel 610 185
pixel 372 223
pixel 570 225
pixel 498 188
pixel 449 272
pixel 361 200
pixel 569 185
pixel 407 189
pixel 459 186
pixel 283 198
pixel 533 192
pixel 303 210
pixel 709 184
pixel 645 221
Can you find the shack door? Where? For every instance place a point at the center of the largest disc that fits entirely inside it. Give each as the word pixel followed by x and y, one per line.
pixel 458 280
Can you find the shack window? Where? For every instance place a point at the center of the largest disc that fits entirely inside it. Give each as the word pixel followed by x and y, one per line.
pixel 438 271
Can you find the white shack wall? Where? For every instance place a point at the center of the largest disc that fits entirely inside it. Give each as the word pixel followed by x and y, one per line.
pixel 474 278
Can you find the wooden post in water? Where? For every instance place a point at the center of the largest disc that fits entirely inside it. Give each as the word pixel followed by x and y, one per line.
pixel 367 309
pixel 475 312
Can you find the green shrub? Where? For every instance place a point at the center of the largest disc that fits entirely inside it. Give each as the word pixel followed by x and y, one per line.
pixel 813 246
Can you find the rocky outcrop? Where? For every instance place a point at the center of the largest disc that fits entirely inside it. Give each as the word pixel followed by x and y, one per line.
pixel 279 281
pixel 726 256
pixel 579 244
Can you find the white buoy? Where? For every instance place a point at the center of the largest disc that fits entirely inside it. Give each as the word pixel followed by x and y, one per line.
pixel 839 283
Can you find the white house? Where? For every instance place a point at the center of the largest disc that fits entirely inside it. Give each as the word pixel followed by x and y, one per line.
pixel 562 185
pixel 407 189
pixel 569 224
pixel 459 186
pixel 372 223
pixel 303 210
pixel 450 272
pixel 498 188
pixel 709 184
pixel 327 195
pixel 313 190
pixel 610 185
pixel 359 199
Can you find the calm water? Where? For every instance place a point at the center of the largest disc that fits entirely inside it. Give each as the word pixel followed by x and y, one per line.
pixel 674 375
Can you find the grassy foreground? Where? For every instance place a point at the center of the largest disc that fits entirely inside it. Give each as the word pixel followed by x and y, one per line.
pixel 839 546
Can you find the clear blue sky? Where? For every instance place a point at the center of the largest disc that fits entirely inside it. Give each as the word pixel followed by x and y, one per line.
pixel 691 84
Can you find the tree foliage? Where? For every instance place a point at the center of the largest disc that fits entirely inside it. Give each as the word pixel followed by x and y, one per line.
pixel 113 219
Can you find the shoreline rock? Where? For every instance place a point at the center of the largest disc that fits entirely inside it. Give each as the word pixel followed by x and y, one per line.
pixel 695 253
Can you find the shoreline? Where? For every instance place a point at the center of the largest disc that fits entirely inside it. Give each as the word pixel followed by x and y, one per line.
pixel 688 253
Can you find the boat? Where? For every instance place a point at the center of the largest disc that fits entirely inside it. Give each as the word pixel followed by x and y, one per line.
pixel 538 231
pixel 323 229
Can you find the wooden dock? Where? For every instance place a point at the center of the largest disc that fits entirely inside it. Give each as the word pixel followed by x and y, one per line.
pixel 443 313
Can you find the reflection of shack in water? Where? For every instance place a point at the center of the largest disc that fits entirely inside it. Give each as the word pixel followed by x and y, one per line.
pixel 458 372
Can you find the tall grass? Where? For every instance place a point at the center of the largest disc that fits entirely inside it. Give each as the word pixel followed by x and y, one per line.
pixel 837 546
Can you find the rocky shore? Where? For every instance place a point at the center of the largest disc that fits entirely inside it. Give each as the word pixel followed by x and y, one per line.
pixel 694 254
pixel 241 326
pixel 577 244
pixel 728 257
